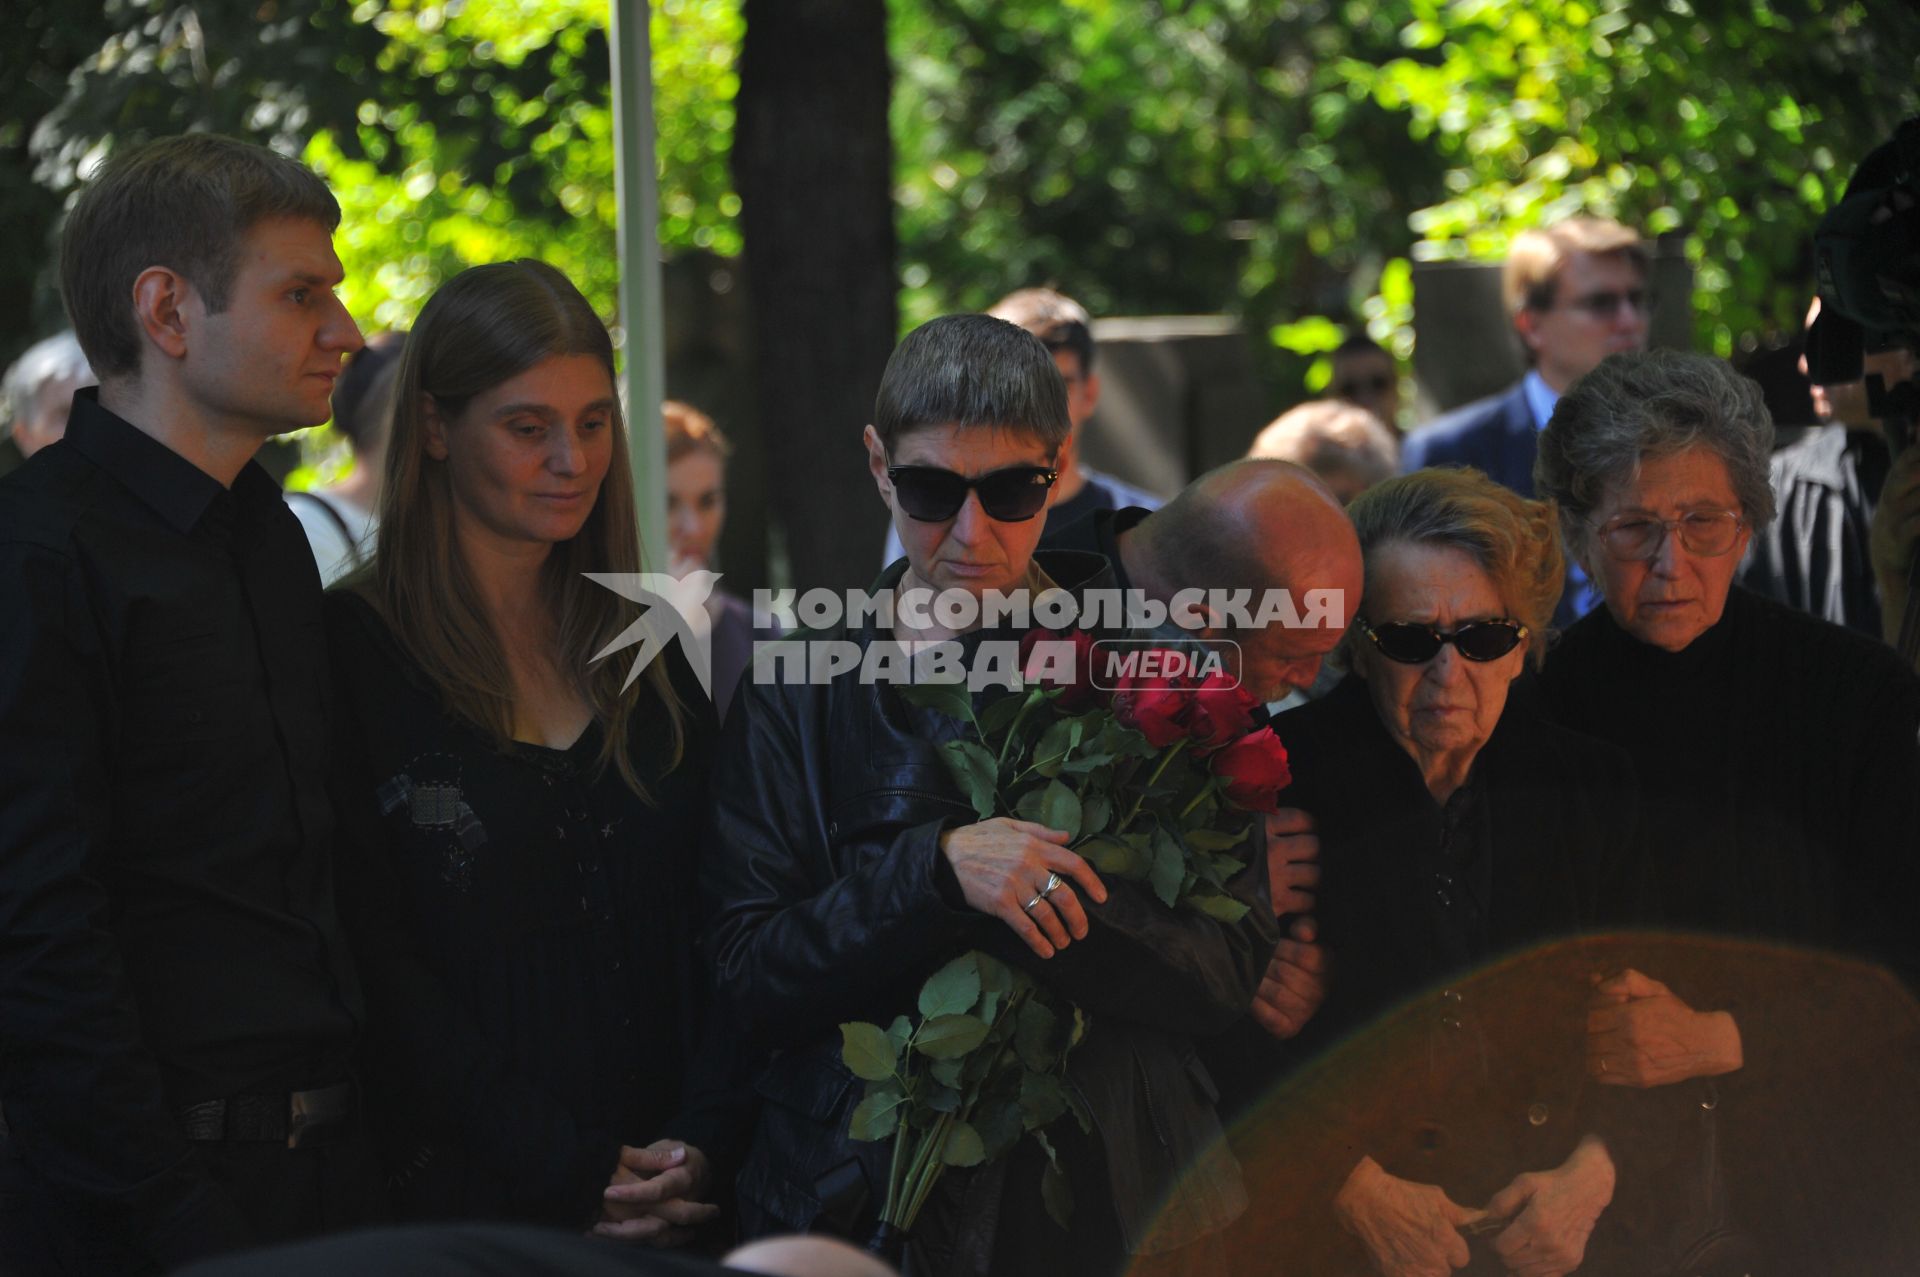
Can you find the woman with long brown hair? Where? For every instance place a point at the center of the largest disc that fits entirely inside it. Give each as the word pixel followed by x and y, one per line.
pixel 519 820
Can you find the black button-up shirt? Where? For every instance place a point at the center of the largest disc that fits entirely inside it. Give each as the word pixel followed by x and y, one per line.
pixel 167 924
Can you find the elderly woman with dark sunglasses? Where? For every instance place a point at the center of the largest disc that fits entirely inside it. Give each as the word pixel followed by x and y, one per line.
pixel 1778 761
pixel 1454 827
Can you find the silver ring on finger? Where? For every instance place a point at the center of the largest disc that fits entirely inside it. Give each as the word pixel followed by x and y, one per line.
pixel 1053 883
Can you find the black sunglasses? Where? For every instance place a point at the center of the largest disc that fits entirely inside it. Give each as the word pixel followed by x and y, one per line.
pixel 933 495
pixel 1374 385
pixel 1604 305
pixel 1411 643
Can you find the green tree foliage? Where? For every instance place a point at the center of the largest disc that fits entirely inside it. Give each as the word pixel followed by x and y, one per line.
pixel 1735 123
pixel 1285 160
pixel 453 133
pixel 1278 159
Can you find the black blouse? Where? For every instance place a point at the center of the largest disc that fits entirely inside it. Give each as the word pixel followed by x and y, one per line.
pixel 525 926
pixel 1778 759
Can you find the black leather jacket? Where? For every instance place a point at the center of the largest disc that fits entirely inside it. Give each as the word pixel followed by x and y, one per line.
pixel 831 901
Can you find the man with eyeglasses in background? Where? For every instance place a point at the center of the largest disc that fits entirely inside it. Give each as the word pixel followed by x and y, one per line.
pixel 1576 292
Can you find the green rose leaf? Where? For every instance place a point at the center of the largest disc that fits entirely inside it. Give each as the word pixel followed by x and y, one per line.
pixel 867 1051
pixel 1034 1037
pixel 963 1146
pixel 1000 1126
pixel 1111 857
pixel 1215 839
pixel 999 716
pixel 995 975
pixel 1225 908
pixel 1201 873
pixel 1042 1099
pixel 951 699
pixel 875 1117
pixel 944 1099
pixel 1169 868
pixel 1055 744
pixel 1060 809
pixel 1095 811
pixel 898 1033
pixel 948 1037
pixel 1224 866
pixel 975 771
pixel 952 989
pixel 947 1072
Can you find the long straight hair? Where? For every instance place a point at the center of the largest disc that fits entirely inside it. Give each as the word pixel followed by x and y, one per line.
pixel 483 327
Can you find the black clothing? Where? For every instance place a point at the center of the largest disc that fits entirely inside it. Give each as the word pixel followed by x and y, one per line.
pixel 459 1250
pixel 834 903
pixel 1442 1065
pixel 1093 495
pixel 1413 891
pixel 1814 555
pixel 524 928
pixel 1780 783
pixel 734 635
pixel 167 924
pixel 1099 533
pixel 1779 770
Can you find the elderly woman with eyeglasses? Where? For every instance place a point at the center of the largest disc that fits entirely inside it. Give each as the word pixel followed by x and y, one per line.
pixel 1779 768
pixel 1454 828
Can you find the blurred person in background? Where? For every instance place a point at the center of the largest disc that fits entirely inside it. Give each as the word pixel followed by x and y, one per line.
pixel 340 518
pixel 1575 293
pixel 1364 373
pixel 39 392
pixel 1346 445
pixel 1817 553
pixel 696 513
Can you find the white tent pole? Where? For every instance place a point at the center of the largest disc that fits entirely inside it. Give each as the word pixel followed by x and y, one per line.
pixel 636 188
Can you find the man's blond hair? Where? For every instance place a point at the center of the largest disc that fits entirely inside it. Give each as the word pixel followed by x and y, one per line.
pixel 1536 256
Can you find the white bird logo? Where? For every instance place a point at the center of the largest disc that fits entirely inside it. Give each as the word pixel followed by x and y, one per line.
pixel 675 608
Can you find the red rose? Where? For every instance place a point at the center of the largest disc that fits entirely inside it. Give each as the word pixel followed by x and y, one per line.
pixel 1155 707
pixel 1256 770
pixel 1077 692
pixel 1222 711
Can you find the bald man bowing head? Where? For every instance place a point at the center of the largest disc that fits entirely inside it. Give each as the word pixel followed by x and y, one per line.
pixel 1255 525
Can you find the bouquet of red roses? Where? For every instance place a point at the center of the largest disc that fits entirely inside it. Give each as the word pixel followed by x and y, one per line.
pixel 1155 781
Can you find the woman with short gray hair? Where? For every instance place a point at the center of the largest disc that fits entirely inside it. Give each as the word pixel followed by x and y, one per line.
pixel 1660 404
pixel 1776 754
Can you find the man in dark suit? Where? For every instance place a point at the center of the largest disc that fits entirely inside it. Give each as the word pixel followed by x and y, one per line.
pixel 1576 292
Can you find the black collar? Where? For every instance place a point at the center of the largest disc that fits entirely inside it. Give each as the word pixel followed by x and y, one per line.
pixel 173 487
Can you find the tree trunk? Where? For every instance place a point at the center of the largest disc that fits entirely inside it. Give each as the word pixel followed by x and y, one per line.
pixel 813 163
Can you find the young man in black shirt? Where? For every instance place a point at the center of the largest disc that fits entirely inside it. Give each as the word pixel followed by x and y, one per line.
pixel 178 1010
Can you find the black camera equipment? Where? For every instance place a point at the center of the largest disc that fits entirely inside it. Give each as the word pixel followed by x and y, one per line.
pixel 1867 259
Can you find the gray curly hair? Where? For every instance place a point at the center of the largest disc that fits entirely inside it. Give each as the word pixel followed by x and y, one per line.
pixel 1652 404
